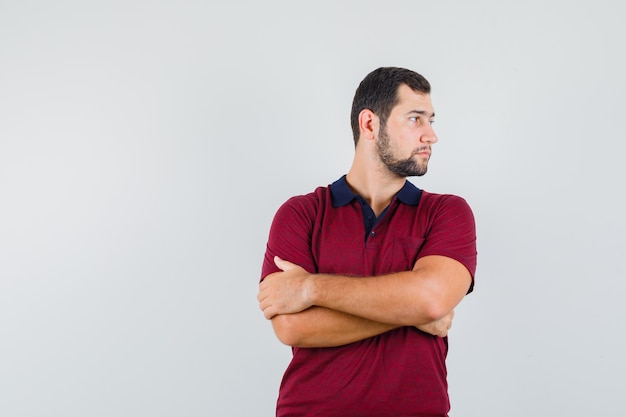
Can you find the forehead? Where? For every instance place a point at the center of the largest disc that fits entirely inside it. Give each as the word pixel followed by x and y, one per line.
pixel 409 100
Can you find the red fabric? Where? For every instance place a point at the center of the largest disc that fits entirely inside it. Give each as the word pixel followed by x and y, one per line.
pixel 398 373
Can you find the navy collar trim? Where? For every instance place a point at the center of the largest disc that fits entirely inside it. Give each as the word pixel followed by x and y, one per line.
pixel 341 194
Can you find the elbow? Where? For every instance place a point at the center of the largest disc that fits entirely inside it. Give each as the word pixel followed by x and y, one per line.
pixel 286 330
pixel 435 311
pixel 433 303
pixel 429 311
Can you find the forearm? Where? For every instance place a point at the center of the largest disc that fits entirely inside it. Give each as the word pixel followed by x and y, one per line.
pixel 426 294
pixel 410 298
pixel 322 327
pixel 393 298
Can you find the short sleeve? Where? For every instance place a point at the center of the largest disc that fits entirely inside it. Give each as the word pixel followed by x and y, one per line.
pixel 452 233
pixel 290 235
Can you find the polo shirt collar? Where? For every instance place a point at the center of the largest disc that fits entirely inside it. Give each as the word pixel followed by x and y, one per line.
pixel 341 194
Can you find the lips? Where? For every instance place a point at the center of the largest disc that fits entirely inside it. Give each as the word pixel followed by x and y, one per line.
pixel 422 152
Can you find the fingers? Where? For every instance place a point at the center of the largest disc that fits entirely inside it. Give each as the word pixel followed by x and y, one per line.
pixel 439 328
pixel 262 299
pixel 265 306
pixel 268 314
pixel 264 294
pixel 282 264
pixel 282 292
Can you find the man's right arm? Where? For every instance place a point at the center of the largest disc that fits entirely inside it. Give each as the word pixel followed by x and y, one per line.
pixel 322 327
pixel 319 326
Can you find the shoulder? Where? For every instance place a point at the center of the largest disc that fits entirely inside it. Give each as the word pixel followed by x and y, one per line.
pixel 312 199
pixel 435 198
pixel 444 202
pixel 447 212
pixel 305 205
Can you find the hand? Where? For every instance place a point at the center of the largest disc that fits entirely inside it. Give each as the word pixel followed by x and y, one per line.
pixel 284 292
pixel 440 327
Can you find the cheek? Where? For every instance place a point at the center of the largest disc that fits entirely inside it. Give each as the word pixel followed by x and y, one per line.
pixel 409 137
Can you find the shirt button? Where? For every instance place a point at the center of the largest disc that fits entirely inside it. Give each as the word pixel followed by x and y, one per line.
pixel 372 234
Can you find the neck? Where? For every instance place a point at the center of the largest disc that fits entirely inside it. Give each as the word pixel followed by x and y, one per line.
pixel 374 183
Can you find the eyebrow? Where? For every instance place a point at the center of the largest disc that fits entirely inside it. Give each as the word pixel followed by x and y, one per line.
pixel 422 113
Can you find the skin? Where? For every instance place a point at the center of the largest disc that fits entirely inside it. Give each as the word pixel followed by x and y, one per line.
pixel 320 310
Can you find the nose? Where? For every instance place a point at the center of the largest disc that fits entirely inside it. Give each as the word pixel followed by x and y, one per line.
pixel 429 136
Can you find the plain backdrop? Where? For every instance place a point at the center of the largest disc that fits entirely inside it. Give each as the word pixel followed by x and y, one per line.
pixel 145 146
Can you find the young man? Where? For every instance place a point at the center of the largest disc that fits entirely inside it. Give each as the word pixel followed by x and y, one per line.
pixel 361 277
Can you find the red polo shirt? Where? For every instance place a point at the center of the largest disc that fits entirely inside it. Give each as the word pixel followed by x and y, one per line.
pixel 398 373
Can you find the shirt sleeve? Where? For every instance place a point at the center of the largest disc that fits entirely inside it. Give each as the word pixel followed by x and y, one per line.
pixel 290 236
pixel 452 233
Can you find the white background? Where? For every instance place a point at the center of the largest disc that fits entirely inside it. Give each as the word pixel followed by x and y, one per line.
pixel 145 146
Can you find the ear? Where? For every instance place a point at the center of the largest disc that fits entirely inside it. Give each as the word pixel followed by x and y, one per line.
pixel 369 124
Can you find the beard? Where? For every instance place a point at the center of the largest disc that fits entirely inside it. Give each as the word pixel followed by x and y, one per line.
pixel 409 167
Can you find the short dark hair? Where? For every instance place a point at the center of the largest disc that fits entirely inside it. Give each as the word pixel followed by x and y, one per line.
pixel 378 92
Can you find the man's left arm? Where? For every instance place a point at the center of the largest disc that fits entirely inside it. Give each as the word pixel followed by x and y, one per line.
pixel 423 295
pixel 440 278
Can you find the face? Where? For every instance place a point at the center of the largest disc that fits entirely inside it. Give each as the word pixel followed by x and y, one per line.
pixel 405 141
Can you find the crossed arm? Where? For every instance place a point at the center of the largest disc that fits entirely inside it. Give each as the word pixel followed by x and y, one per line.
pixel 320 310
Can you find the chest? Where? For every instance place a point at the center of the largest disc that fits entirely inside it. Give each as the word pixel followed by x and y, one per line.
pixel 340 244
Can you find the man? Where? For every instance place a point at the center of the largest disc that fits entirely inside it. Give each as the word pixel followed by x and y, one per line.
pixel 361 277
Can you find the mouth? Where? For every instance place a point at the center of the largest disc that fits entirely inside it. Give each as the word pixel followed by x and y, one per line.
pixel 424 152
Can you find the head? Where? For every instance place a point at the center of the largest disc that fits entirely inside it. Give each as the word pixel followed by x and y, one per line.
pixel 378 92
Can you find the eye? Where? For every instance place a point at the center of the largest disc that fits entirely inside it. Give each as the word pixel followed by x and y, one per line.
pixel 431 122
